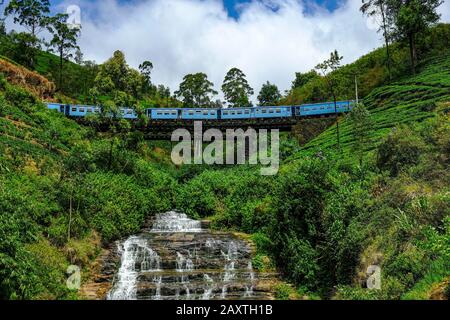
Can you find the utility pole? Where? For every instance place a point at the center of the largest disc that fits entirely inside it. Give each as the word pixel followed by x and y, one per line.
pixel 356 89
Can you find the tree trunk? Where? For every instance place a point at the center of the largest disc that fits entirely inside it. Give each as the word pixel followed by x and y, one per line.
pixel 338 134
pixel 413 54
pixel 60 68
pixel 386 39
pixel 110 154
pixel 70 218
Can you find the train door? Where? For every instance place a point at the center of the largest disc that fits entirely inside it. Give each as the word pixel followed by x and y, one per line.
pixel 65 108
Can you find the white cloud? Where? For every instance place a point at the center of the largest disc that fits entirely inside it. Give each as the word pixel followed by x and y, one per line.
pixel 186 36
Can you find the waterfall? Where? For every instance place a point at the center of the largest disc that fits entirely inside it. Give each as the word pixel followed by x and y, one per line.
pixel 208 294
pixel 175 222
pixel 176 259
pixel 251 277
pixel 157 281
pixel 229 268
pixel 132 251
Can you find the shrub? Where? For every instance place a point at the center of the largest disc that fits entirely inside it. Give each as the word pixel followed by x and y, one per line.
pixel 400 150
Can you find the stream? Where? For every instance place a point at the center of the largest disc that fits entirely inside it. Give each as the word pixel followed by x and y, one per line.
pixel 177 258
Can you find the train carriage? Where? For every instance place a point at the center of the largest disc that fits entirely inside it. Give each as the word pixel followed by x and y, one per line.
pixel 199 114
pixel 237 113
pixel 164 114
pixel 320 109
pixel 272 112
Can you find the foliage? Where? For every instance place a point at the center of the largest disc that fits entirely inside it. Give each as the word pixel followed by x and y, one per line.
pixel 361 130
pixel 29 13
pixel 64 39
pixel 236 89
pixel 196 91
pixel 302 79
pixel 269 95
pixel 410 18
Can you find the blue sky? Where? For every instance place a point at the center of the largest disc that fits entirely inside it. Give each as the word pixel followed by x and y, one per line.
pixel 232 6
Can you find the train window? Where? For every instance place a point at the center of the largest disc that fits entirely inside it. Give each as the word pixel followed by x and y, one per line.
pixel 174 113
pixel 205 113
pixel 213 113
pixel 278 110
pixel 247 111
pixel 81 109
pixel 74 109
pixel 191 113
pixel 239 112
pixel 264 111
pixel 89 110
pixel 130 111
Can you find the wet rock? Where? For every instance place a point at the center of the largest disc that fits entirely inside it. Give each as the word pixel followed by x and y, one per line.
pixel 176 258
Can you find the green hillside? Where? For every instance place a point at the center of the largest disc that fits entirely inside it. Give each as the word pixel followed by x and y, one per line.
pixel 409 100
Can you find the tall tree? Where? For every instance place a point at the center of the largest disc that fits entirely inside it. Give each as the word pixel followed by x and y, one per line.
pixel 117 81
pixel 269 95
pixel 146 69
pixel 236 89
pixel 64 40
pixel 32 14
pixel 379 9
pixel 328 69
pixel 196 91
pixel 411 18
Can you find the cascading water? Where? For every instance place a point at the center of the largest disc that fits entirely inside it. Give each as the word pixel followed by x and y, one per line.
pixel 177 259
pixel 175 222
pixel 133 251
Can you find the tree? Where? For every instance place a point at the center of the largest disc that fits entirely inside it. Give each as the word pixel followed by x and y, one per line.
pixel 164 93
pixel 29 13
pixel 79 57
pixel 64 40
pixel 378 8
pixel 361 125
pixel 236 89
pixel 146 68
pixel 411 18
pixel 23 48
pixel 269 95
pixel 2 27
pixel 117 81
pixel 303 78
pixel 196 91
pixel 328 69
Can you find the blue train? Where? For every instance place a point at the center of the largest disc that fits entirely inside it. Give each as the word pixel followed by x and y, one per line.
pixel 189 114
